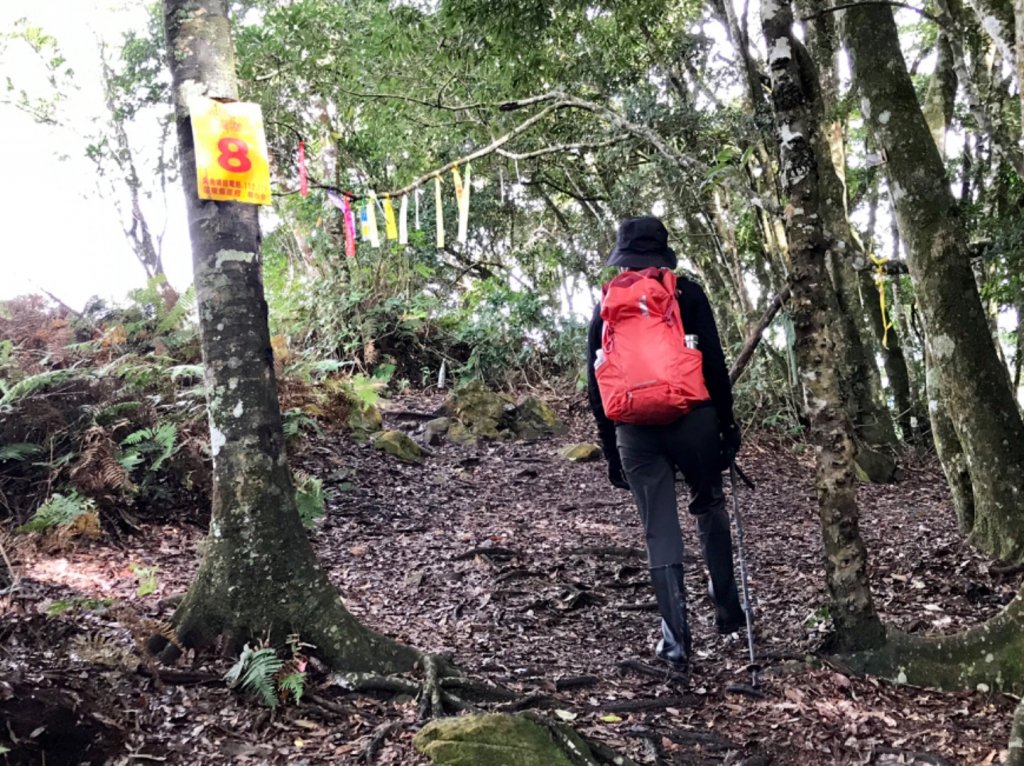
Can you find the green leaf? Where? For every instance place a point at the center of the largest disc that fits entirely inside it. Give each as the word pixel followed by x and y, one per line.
pixel 19 451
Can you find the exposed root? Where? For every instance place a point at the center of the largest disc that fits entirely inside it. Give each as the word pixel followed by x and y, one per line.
pixel 989 657
pixel 436 693
pixel 377 740
pixel 1015 756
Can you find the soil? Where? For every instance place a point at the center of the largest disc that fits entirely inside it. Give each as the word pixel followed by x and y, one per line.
pixel 529 572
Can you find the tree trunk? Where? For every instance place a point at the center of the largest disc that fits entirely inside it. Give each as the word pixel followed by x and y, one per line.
pixel 813 306
pixel 997 19
pixel 259 576
pixel 871 419
pixel 974 383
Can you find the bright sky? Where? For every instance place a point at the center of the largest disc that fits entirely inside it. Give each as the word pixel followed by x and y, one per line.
pixel 59 234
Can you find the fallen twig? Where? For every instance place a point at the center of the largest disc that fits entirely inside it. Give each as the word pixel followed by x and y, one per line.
pixel 377 739
pixel 493 552
pixel 665 673
pixel 634 706
pixel 575 682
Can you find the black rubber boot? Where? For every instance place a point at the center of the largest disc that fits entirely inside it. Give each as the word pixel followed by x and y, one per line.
pixel 716 543
pixel 675 645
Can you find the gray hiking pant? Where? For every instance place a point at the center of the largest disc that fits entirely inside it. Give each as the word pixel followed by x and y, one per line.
pixel 650 455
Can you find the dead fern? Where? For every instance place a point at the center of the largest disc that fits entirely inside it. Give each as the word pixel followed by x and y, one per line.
pixel 98 470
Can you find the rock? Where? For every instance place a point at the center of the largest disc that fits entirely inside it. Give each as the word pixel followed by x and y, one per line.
pixel 459 434
pixel 873 466
pixel 581 453
pixel 400 445
pixel 364 420
pixel 482 411
pixel 434 430
pixel 534 419
pixel 496 739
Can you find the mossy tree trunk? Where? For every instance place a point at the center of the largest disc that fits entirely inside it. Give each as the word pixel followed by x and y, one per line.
pixel 871 419
pixel 973 381
pixel 259 576
pixel 813 306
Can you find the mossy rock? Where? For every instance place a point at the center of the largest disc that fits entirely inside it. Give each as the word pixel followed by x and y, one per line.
pixel 482 411
pixel 581 453
pixel 534 419
pixel 492 740
pixel 400 445
pixel 364 420
pixel 873 466
pixel 459 434
pixel 434 430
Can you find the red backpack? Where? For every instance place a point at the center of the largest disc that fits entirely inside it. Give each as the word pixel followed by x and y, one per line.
pixel 644 370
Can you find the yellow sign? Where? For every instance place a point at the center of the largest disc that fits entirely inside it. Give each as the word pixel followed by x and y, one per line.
pixel 231 151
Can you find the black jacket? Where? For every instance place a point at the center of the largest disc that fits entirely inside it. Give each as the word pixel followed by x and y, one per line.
pixel 698 320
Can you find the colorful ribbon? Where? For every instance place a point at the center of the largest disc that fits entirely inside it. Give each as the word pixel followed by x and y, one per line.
pixel 462 198
pixel 403 220
pixel 371 220
pixel 440 212
pixel 390 227
pixel 303 178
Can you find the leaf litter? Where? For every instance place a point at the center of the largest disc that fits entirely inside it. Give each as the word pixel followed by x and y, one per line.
pixel 528 571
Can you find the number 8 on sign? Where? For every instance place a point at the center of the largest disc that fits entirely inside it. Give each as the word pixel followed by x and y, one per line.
pixel 231 151
pixel 234 155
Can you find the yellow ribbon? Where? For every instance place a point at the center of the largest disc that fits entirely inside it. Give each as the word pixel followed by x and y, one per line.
pixel 880 281
pixel 390 228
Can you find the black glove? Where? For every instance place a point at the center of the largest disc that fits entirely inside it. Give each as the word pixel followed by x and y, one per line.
pixel 615 473
pixel 730 444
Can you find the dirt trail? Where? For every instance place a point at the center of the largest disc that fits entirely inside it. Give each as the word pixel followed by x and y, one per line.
pixel 529 571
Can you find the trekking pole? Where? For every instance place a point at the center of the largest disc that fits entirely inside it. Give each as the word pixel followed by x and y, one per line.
pixel 748 608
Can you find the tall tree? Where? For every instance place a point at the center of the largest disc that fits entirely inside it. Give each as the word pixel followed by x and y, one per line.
pixel 803 160
pixel 970 374
pixel 258 575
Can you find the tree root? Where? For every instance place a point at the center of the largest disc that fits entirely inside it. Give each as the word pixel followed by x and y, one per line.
pixel 1016 751
pixel 665 674
pixel 989 657
pixel 377 739
pixel 435 694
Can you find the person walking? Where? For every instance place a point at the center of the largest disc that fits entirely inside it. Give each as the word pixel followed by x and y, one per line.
pixel 659 390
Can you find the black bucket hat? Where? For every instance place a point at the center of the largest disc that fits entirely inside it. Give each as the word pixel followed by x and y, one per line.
pixel 642 243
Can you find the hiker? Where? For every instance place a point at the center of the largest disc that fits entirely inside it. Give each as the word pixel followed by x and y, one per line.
pixel 658 409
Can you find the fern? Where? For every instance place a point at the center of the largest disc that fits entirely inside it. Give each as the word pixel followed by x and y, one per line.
pixel 19 451
pixel 292 685
pixel 173 319
pixel 36 383
pixel 254 673
pixel 309 498
pixel 58 511
pixel 185 371
pixel 159 440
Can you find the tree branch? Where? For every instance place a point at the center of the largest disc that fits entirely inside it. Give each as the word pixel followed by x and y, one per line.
pixel 941 21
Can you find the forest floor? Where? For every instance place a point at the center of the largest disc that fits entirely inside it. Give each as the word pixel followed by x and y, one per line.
pixel 529 571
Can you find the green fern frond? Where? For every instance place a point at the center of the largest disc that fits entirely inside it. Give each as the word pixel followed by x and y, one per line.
pixel 19 451
pixel 164 435
pixel 58 511
pixel 36 383
pixel 172 319
pixel 309 498
pixel 254 673
pixel 293 685
pixel 137 437
pixel 185 371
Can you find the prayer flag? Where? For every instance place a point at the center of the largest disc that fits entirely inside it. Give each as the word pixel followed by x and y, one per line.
pixel 439 212
pixel 390 228
pixel 403 220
